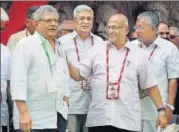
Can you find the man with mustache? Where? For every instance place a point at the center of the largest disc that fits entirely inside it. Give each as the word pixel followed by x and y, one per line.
pixel 116 68
pixel 38 75
pixel 75 45
pixel 163 56
pixel 163 30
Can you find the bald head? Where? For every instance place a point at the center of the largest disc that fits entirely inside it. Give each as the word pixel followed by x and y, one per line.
pixel 117 29
pixel 120 19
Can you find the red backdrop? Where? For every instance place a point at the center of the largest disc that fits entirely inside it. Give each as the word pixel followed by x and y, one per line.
pixel 17 16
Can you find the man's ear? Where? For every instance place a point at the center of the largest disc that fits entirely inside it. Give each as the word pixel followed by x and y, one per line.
pixel 127 30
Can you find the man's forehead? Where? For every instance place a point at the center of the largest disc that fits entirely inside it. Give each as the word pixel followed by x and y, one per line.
pixel 143 21
pixel 84 13
pixel 116 20
pixel 49 15
pixel 163 26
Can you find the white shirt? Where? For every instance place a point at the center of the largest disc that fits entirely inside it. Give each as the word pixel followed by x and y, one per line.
pixel 30 80
pixel 123 113
pixel 79 98
pixel 165 63
pixel 5 75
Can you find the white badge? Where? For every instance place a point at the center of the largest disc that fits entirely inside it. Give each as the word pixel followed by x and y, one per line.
pixel 52 84
pixel 113 92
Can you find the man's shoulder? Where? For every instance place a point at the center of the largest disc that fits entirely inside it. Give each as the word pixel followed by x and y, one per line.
pixel 167 45
pixel 29 41
pixel 67 37
pixel 5 50
pixel 97 38
pixel 19 34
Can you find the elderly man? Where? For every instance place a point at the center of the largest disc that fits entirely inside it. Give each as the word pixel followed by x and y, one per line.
pixel 116 68
pixel 29 30
pixel 174 35
pixel 38 75
pixel 163 56
pixel 163 30
pixel 76 44
pixel 5 77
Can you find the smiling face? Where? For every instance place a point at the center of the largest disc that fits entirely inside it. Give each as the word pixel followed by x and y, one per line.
pixel 48 24
pixel 84 22
pixel 117 28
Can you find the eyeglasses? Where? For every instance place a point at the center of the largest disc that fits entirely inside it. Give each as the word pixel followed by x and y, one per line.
pixel 49 21
pixel 162 33
pixel 173 36
pixel 113 27
pixel 138 28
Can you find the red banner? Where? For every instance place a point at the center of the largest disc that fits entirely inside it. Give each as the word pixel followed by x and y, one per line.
pixel 17 17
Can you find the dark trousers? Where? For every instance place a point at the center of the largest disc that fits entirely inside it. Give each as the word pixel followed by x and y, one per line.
pixel 40 130
pixel 4 128
pixel 107 129
pixel 61 123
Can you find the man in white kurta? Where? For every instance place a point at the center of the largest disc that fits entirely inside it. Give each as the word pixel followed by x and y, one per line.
pixel 75 46
pixel 5 77
pixel 163 56
pixel 38 76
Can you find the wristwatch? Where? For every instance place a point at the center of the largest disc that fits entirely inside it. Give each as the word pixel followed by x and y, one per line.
pixel 161 111
pixel 171 107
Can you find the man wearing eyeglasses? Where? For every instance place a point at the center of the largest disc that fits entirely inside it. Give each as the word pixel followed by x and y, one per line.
pixel 174 35
pixel 116 69
pixel 163 56
pixel 29 29
pixel 39 76
pixel 75 45
pixel 163 30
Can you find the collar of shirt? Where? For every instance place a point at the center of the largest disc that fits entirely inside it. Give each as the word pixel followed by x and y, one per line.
pixel 126 45
pixel 157 42
pixel 75 34
pixel 27 32
pixel 47 42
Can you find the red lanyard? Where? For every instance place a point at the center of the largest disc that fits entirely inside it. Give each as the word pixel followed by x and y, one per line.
pixel 78 56
pixel 76 47
pixel 121 72
pixel 151 52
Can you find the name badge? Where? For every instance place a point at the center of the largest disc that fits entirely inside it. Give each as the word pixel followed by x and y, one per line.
pixel 52 85
pixel 113 91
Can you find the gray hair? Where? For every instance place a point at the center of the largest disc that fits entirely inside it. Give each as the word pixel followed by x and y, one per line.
pixel 176 29
pixel 152 18
pixel 82 8
pixel 44 9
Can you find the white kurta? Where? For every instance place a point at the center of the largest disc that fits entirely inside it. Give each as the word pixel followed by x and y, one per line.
pixel 79 98
pixel 123 113
pixel 165 63
pixel 5 75
pixel 30 78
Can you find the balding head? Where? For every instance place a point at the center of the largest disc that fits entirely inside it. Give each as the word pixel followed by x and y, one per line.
pixel 117 29
pixel 120 19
